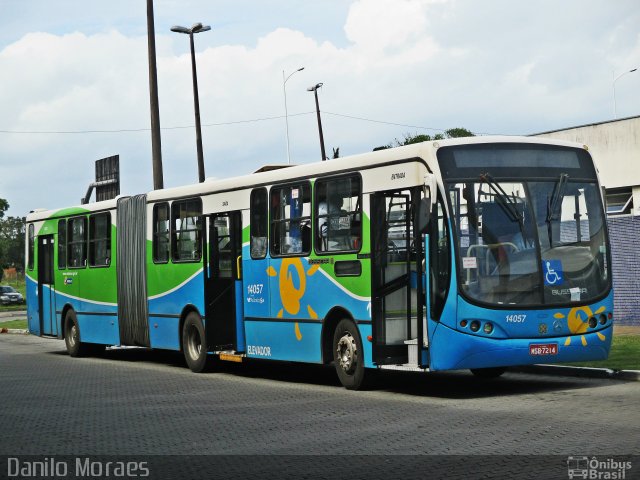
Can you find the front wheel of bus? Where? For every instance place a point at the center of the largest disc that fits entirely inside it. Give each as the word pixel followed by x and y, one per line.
pixel 72 336
pixel 194 345
pixel 348 355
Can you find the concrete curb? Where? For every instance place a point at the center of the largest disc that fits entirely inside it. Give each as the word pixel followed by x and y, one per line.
pixel 588 372
pixel 20 331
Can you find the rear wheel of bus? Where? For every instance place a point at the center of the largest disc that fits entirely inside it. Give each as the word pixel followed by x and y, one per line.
pixel 348 355
pixel 194 345
pixel 74 345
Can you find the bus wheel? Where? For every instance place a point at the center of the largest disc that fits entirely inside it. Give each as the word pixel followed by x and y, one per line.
pixel 194 345
pixel 72 336
pixel 493 372
pixel 348 355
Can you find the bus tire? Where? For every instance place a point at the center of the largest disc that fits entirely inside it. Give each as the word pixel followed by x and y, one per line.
pixel 348 355
pixel 194 344
pixel 74 345
pixel 493 372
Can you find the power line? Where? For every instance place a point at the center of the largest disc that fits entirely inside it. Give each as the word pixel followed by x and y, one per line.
pixel 218 124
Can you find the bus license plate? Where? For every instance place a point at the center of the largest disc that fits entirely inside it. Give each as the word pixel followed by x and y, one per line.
pixel 543 349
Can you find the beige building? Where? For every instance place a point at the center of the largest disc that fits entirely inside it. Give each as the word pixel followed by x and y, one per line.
pixel 615 147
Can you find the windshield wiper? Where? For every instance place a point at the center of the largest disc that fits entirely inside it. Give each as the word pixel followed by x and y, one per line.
pixel 555 202
pixel 506 200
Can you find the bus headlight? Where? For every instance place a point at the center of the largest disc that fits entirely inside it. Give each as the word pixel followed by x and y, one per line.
pixel 475 326
pixel 593 322
pixel 488 328
pixel 603 319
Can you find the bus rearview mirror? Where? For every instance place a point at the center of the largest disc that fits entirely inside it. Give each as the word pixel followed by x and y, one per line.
pixel 424 214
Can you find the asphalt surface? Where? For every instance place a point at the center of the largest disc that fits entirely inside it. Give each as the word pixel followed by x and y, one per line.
pixel 140 402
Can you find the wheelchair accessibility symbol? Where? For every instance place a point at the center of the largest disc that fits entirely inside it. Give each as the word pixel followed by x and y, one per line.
pixel 552 270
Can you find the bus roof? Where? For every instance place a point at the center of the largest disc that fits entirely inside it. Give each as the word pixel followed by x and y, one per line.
pixel 277 174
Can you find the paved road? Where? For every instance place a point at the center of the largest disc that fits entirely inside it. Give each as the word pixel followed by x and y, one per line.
pixel 139 402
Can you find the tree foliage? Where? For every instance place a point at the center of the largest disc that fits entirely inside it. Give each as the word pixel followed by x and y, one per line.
pixel 12 232
pixel 409 138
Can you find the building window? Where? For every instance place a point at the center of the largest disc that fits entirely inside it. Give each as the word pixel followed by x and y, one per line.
pixel 186 218
pixel 77 243
pixel 259 223
pixel 291 220
pixel 338 214
pixel 161 233
pixel 31 247
pixel 100 240
pixel 62 244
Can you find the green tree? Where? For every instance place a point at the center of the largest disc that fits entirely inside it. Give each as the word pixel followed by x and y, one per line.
pixel 409 138
pixel 12 231
pixel 4 206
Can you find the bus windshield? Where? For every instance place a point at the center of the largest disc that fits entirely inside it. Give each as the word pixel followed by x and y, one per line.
pixel 526 238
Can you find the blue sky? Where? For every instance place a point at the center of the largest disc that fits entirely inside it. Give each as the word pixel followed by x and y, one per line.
pixel 492 66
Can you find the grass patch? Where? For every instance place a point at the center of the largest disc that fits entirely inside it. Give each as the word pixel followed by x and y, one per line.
pixel 624 354
pixel 22 324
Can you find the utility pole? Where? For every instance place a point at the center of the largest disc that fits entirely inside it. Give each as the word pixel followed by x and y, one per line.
pixel 314 89
pixel 156 146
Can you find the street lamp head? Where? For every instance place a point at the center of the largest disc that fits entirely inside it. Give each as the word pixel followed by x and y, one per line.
pixel 179 29
pixel 314 88
pixel 198 27
pixel 195 28
pixel 630 71
pixel 300 69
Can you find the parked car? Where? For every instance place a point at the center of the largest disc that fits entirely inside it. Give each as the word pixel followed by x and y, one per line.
pixel 10 296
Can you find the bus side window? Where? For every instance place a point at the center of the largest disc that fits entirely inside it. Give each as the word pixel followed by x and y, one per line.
pixel 440 253
pixel 32 241
pixel 161 233
pixel 258 239
pixel 100 240
pixel 291 220
pixel 62 244
pixel 338 214
pixel 186 240
pixel 77 242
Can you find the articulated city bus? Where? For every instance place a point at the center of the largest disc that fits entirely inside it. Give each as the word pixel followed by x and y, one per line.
pixel 475 253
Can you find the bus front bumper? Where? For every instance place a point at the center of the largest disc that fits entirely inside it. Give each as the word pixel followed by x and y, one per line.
pixel 454 350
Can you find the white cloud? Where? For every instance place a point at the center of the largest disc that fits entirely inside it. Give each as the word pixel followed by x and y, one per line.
pixel 487 66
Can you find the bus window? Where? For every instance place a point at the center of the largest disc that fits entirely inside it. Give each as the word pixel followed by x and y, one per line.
pixel 291 220
pixel 62 244
pixel 100 240
pixel 338 213
pixel 186 217
pixel 161 233
pixel 77 244
pixel 440 260
pixel 31 244
pixel 259 223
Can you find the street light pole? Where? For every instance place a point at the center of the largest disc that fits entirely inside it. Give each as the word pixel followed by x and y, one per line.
pixel 615 107
pixel 286 114
pixel 196 28
pixel 156 147
pixel 314 89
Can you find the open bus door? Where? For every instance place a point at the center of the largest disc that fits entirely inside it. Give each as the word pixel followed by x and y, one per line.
pixel 397 278
pixel 46 287
pixel 223 289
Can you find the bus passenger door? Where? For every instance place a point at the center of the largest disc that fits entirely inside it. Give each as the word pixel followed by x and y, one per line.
pixel 46 288
pixel 224 329
pixel 392 299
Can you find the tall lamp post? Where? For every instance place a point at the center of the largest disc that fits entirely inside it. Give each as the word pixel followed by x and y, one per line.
pixel 156 147
pixel 196 28
pixel 286 114
pixel 314 89
pixel 615 107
